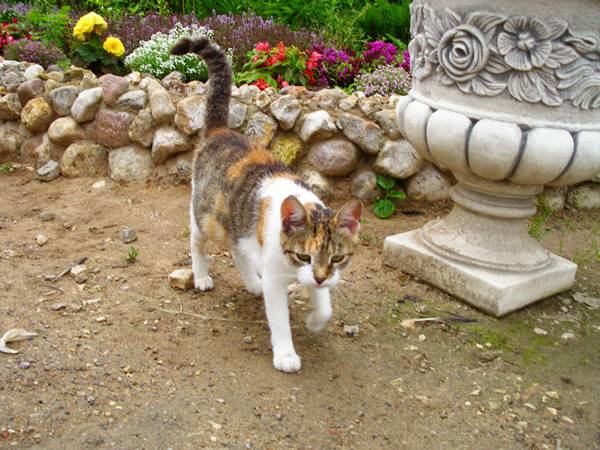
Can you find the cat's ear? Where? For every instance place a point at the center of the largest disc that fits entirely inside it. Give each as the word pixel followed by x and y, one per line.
pixel 347 218
pixel 293 214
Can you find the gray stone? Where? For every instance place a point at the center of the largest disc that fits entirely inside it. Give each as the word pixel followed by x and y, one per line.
pixel 286 109
pixel 128 235
pixel 46 216
pixel 167 142
pixel 364 133
pixel 86 104
pixel 10 143
pixel 237 114
pixel 62 99
pixel 386 118
pixel 328 98
pixel 133 100
pixel 33 71
pixel 130 163
pixel 113 87
pixel 84 159
pixel 12 81
pixel 370 105
pixel 261 129
pixel 334 157
pixel 179 168
pixel 315 180
pixel 348 103
pixel 351 330
pixel 54 68
pixel 111 128
pixel 190 116
pixel 161 105
pixel 37 115
pixel 142 129
pixel 134 77
pixel 173 81
pixel 30 89
pixel 247 94
pixel 585 196
pixel 554 197
pixel 430 184
pixel 49 171
pixel 65 131
pixel 317 125
pixel 398 159
pixel 364 186
pixel 10 107
pixel 264 98
pixel 41 149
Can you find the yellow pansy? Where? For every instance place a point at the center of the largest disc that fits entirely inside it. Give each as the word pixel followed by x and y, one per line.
pixel 114 46
pixel 91 22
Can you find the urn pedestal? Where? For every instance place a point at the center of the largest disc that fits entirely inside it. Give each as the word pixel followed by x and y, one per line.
pixel 508 99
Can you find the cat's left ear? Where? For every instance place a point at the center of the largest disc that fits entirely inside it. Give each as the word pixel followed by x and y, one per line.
pixel 347 218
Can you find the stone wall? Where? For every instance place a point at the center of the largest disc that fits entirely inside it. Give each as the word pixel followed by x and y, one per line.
pixel 136 128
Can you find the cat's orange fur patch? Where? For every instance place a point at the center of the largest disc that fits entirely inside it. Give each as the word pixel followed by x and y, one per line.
pixel 255 157
pixel 213 229
pixel 263 207
pixel 217 132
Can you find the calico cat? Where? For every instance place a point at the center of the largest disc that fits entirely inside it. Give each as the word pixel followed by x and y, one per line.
pixel 277 228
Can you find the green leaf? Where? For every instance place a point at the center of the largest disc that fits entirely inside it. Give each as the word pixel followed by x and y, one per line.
pixel 385 182
pixel 383 208
pixel 399 195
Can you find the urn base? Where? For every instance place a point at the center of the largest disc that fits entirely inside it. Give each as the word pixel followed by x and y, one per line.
pixel 497 292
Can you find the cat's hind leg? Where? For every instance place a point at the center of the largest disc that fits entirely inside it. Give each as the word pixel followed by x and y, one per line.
pixel 198 244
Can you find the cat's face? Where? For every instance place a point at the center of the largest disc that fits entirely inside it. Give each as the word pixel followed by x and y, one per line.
pixel 317 241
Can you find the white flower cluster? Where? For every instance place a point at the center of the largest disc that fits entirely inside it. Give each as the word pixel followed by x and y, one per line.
pixel 154 56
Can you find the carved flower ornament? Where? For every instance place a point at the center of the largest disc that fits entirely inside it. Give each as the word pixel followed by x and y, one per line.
pixel 486 53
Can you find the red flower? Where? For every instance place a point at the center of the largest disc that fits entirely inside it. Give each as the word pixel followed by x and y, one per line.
pixel 281 48
pixel 4 24
pixel 14 20
pixel 262 47
pixel 270 61
pixel 261 84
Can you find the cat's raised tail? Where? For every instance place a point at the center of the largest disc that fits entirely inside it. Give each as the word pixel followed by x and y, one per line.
pixel 219 73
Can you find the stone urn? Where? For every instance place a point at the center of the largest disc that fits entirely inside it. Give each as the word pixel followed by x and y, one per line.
pixel 506 95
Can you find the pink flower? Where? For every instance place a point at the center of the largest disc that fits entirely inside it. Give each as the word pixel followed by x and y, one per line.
pixel 262 47
pixel 284 83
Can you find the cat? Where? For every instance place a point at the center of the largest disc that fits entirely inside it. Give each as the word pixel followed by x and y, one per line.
pixel 278 230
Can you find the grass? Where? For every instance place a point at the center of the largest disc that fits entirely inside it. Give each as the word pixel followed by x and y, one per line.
pixel 6 168
pixel 131 256
pixel 537 222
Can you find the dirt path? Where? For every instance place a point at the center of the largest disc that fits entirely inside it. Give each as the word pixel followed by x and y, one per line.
pixel 112 370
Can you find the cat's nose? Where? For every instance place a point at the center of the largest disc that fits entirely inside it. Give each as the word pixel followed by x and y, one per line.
pixel 319 280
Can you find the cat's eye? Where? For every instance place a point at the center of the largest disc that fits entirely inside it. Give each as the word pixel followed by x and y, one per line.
pixel 303 257
pixel 337 258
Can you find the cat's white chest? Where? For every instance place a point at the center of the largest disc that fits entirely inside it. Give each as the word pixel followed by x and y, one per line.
pixel 252 250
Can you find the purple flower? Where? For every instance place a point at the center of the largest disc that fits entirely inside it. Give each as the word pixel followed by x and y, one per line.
pixel 380 51
pixel 385 80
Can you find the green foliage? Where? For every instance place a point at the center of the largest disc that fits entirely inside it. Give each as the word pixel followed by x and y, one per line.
pixel 385 17
pixel 53 27
pixel 537 222
pixel 384 206
pixel 131 256
pixel 90 53
pixel 154 56
pixel 6 168
pixel 274 66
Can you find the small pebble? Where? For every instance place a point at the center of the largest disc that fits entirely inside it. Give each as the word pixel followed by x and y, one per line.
pixel 100 319
pixel 568 336
pixel 67 225
pixel 58 306
pixel 567 419
pixel 247 340
pixel 422 337
pixel 46 216
pixel 351 330
pixel 90 399
pixel 128 235
pixel 540 331
pixel 41 239
pixel 99 184
pixel 24 365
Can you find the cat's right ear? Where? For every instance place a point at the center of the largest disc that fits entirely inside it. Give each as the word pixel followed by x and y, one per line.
pixel 293 214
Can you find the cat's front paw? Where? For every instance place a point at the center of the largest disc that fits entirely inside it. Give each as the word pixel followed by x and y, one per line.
pixel 287 362
pixel 204 283
pixel 254 289
pixel 315 322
